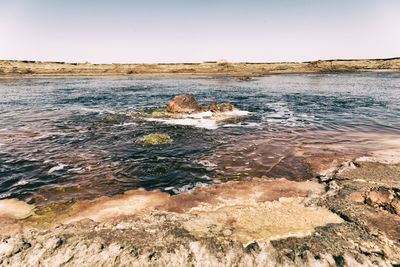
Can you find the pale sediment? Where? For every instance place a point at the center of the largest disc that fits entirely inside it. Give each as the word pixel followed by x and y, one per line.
pixel 191 228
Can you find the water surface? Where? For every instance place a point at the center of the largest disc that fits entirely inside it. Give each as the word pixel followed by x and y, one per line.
pixel 63 139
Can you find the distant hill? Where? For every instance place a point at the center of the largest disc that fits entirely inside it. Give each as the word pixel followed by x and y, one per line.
pixel 222 68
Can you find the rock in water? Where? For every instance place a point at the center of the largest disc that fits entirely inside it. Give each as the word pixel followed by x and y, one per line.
pixel 213 107
pixel 156 139
pixel 225 107
pixel 183 104
pixel 186 104
pixel 244 79
pixel 157 113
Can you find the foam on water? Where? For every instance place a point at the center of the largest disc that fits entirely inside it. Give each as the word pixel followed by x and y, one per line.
pixel 206 164
pixel 206 120
pixel 243 124
pixel 237 113
pixel 199 123
pixel 188 187
pixel 200 115
pixel 283 115
pixel 5 195
pixel 21 182
pixel 60 166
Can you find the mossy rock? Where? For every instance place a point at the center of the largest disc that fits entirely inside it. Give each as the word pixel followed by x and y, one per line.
pixel 156 139
pixel 157 113
pixel 152 113
pixel 111 118
pixel 114 118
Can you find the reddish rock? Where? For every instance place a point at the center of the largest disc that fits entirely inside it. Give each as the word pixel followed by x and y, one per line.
pixel 183 104
pixel 379 198
pixel 225 107
pixel 186 104
pixel 213 107
pixel 357 197
pixel 396 205
pixel 204 109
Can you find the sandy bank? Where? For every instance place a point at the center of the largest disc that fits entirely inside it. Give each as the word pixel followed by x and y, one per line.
pixel 12 69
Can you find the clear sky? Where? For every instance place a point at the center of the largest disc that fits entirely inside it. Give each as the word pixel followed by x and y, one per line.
pixel 151 31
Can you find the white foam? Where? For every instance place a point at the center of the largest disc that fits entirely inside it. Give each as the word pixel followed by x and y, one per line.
pixel 188 187
pixel 21 182
pixel 249 125
pixel 5 195
pixel 77 170
pixel 199 123
pixel 201 115
pixel 209 165
pixel 239 113
pixel 169 188
pixel 86 109
pixel 56 168
pixel 282 115
pixel 129 123
pixel 206 120
pixel 206 163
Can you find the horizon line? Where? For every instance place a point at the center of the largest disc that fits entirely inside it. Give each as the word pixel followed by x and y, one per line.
pixel 206 61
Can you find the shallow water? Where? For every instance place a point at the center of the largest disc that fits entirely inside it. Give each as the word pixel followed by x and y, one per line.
pixel 63 139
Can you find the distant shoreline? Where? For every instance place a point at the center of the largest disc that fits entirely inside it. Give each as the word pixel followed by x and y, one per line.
pixel 215 69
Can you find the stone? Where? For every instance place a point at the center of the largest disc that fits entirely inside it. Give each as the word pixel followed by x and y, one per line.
pixel 357 197
pixel 379 198
pixel 396 205
pixel 187 104
pixel 225 107
pixel 244 79
pixel 111 118
pixel 157 113
pixel 213 107
pixel 183 104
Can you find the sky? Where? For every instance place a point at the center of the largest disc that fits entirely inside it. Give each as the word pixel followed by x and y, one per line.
pixel 165 31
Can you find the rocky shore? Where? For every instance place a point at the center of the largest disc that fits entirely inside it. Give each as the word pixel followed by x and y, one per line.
pixel 242 71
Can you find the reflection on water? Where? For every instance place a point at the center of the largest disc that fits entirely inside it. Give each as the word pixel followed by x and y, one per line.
pixel 64 139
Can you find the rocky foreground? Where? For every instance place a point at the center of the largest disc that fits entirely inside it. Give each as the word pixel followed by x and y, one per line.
pixel 222 68
pixel 346 212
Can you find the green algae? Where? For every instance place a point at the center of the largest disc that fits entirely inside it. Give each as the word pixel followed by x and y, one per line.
pixel 45 216
pixel 157 113
pixel 111 118
pixel 156 139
